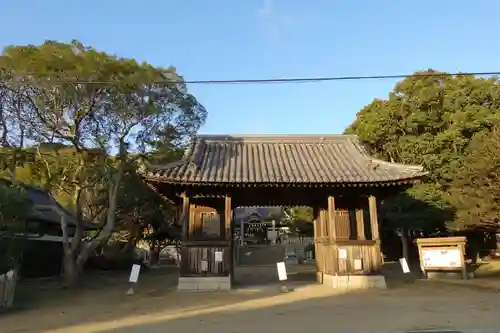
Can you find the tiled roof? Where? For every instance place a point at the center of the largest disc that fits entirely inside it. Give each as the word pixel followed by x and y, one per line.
pixel 280 159
pixel 42 202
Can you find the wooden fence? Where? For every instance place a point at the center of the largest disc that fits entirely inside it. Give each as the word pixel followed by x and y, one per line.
pixel 299 241
pixel 348 257
pixel 7 289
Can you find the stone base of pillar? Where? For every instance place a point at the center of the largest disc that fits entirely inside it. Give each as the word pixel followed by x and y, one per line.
pixel 319 277
pixel 204 283
pixel 354 282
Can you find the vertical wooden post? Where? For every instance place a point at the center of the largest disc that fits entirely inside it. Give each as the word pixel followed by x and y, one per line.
pixel 227 216
pixel 377 253
pixel 185 216
pixel 325 223
pixel 228 235
pixel 372 206
pixel 332 221
pixel 331 215
pixel 194 226
pixel 360 224
pixel 323 217
pixel 317 246
pixel 317 231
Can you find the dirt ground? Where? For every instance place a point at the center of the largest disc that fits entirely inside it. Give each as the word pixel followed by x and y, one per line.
pixel 157 307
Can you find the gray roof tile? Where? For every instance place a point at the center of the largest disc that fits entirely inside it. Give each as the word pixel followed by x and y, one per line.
pixel 280 159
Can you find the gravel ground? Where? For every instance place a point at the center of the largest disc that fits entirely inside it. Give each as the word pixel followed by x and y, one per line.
pixel 420 306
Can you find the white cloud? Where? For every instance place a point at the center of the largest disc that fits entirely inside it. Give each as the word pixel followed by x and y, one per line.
pixel 273 21
pixel 266 9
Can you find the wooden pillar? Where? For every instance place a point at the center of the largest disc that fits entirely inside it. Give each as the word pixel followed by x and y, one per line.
pixel 317 228
pixel 360 224
pixel 332 219
pixel 376 252
pixel 323 217
pixel 372 206
pixel 185 220
pixel 185 216
pixel 325 225
pixel 332 260
pixel 227 216
pixel 191 222
pixel 317 245
pixel 228 233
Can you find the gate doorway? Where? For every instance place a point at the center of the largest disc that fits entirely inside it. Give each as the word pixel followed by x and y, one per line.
pixel 256 264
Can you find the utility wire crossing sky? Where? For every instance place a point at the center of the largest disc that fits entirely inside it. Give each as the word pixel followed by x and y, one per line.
pixel 285 80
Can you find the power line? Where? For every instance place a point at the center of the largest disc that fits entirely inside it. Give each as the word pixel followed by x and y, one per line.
pixel 337 78
pixel 281 80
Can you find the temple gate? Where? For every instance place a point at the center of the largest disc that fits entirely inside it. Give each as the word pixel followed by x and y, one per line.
pixel 331 173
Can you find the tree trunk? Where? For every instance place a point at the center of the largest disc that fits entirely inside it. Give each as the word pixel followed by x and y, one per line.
pixel 70 270
pixel 179 254
pixel 154 255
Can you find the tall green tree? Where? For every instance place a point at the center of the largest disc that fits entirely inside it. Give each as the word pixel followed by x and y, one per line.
pixel 76 96
pixel 300 213
pixel 475 191
pixel 429 121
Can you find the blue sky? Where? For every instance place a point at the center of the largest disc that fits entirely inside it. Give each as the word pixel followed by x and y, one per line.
pixel 232 39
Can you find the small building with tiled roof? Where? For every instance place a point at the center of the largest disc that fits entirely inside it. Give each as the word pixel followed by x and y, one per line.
pixel 43 255
pixel 332 173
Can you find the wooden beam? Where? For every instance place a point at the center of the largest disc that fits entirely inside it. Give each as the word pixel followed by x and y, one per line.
pixel 372 206
pixel 360 224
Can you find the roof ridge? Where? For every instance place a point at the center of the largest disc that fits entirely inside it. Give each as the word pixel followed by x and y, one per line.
pixel 372 160
pixel 398 165
pixel 275 137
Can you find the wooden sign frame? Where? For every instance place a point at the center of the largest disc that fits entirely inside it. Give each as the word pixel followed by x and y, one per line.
pixel 443 243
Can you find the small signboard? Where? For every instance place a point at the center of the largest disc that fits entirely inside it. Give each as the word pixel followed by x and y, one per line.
pixel 358 264
pixel 342 253
pixel 218 256
pixel 443 254
pixel 404 265
pixel 204 265
pixel 442 257
pixel 272 235
pixel 281 271
pixel 134 273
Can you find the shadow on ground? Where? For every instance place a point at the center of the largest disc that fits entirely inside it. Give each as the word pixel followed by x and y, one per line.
pixel 102 306
pixel 261 275
pixel 417 307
